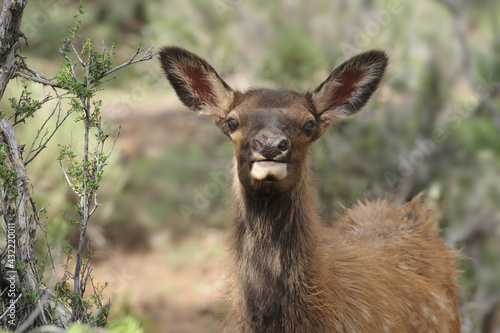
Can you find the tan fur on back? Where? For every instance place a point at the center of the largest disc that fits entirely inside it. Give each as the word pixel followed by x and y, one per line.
pixel 389 260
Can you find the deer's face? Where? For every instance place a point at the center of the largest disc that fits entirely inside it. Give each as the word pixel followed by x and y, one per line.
pixel 271 129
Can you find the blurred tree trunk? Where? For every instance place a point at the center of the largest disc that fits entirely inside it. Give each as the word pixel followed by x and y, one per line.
pixel 10 23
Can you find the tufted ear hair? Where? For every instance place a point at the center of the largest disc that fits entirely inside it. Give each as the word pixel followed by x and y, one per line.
pixel 348 87
pixel 196 83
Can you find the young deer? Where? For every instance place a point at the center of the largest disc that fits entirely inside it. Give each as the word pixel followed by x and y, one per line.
pixel 379 268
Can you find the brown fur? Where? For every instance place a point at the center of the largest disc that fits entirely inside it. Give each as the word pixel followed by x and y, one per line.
pixel 378 268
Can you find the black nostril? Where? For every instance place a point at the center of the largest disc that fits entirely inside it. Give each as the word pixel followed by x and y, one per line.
pixel 283 145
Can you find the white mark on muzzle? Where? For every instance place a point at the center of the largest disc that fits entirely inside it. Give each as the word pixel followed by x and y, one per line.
pixel 263 169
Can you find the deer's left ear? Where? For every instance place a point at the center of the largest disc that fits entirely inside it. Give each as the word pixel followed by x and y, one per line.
pixel 348 87
pixel 196 83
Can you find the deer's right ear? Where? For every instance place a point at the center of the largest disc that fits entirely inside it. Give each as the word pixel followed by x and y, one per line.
pixel 196 83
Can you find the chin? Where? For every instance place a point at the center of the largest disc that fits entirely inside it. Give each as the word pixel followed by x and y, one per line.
pixel 269 185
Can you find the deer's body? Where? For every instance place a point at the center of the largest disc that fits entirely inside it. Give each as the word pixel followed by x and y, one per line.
pixel 378 268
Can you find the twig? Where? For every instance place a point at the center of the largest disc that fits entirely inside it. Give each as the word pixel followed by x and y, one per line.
pixel 112 146
pixel 104 81
pixel 148 55
pixel 8 308
pixel 78 56
pixel 66 176
pixel 43 142
pixel 46 296
pixel 37 79
pixel 17 121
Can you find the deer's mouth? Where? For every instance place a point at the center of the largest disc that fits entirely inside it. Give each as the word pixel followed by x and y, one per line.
pixel 268 170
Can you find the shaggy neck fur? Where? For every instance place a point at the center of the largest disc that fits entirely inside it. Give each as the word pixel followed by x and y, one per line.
pixel 273 249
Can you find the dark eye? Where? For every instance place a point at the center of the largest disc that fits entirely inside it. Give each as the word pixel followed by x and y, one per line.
pixel 232 124
pixel 309 127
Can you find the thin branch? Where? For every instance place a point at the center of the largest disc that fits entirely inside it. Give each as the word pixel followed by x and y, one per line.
pixel 47 296
pixel 37 79
pixel 96 204
pixel 104 81
pixel 103 48
pixel 112 146
pixel 8 308
pixel 43 142
pixel 78 56
pixel 66 176
pixel 27 115
pixel 148 55
pixel 71 63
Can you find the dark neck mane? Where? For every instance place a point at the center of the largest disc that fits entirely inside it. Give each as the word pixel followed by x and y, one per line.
pixel 273 254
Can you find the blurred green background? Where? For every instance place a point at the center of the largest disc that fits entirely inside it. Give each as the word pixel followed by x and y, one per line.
pixel 432 126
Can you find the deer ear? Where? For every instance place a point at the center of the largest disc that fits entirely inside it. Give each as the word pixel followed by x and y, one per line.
pixel 196 83
pixel 349 87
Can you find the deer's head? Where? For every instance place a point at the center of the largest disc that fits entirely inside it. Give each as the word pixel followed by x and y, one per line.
pixel 272 129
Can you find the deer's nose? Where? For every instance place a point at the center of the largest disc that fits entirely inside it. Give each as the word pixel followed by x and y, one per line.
pixel 270 144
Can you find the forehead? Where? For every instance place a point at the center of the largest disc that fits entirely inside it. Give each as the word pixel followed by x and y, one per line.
pixel 267 104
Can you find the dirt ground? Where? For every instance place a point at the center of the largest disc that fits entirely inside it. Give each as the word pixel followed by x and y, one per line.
pixel 172 287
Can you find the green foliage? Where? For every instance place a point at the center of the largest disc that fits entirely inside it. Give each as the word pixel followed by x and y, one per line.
pixel 7 175
pixel 66 80
pixel 83 175
pixel 101 319
pixel 83 170
pixel 80 328
pixel 69 251
pixel 98 63
pixel 78 22
pixel 125 324
pixel 40 265
pixel 480 135
pixel 292 59
pixel 63 291
pixel 30 298
pixel 93 312
pixel 21 266
pixel 26 106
